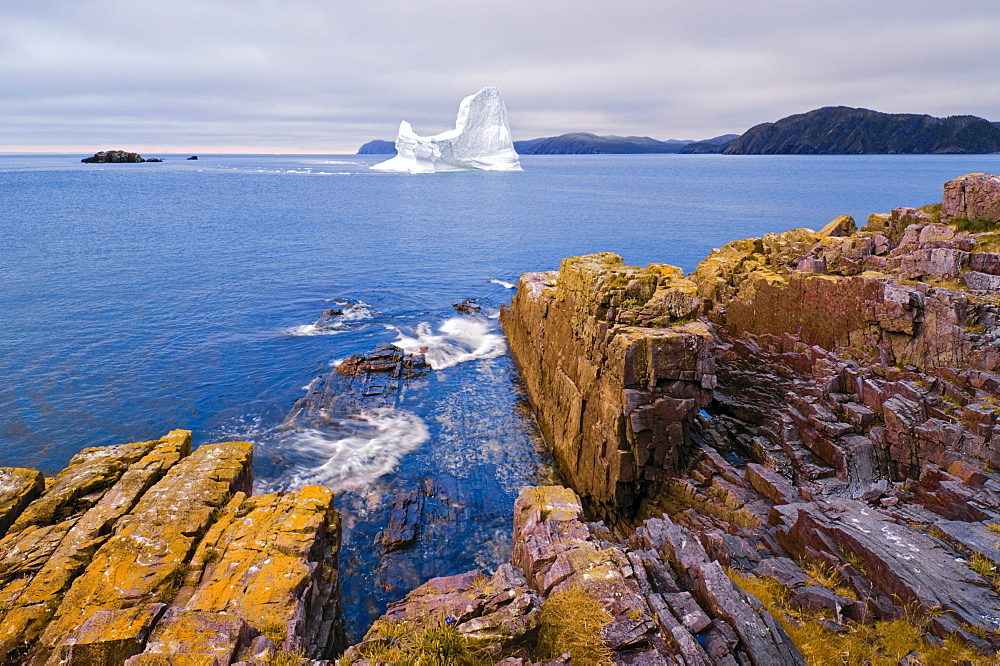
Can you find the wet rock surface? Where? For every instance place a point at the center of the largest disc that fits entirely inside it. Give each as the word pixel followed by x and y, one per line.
pixel 149 549
pixel 359 382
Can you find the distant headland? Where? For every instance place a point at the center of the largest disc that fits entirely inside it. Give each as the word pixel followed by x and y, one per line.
pixel 831 130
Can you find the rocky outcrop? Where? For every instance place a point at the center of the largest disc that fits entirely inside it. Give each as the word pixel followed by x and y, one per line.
pixel 18 487
pixel 147 549
pixel 498 615
pixel 117 157
pixel 975 198
pixel 851 350
pixel 838 454
pixel 615 385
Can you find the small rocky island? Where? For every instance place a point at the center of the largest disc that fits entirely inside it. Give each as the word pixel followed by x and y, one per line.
pixel 787 456
pixel 117 157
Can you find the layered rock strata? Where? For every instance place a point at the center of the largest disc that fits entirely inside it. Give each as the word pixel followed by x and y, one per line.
pixel 148 549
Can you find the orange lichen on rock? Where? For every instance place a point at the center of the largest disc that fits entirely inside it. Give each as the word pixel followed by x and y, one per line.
pixel 152 544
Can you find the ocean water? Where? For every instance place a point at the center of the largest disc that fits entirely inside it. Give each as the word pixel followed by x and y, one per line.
pixel 139 298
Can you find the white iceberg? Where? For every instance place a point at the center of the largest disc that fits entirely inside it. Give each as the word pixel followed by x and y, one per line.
pixel 480 140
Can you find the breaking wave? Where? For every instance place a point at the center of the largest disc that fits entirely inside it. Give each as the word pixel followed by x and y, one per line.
pixel 366 446
pixel 333 321
pixel 460 339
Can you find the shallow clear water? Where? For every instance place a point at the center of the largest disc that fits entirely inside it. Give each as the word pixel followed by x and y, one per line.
pixel 138 298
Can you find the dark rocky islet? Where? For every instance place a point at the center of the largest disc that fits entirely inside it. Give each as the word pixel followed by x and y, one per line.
pixel 117 157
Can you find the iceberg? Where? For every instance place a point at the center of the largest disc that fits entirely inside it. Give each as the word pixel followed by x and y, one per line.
pixel 480 140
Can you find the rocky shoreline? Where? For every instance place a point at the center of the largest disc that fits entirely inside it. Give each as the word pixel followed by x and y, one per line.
pixel 149 553
pixel 790 450
pixel 787 456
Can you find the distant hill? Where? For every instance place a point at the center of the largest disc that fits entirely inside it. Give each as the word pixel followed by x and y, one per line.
pixel 842 130
pixel 715 145
pixel 832 130
pixel 378 147
pixel 584 143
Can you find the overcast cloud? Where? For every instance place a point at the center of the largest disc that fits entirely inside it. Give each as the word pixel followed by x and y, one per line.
pixel 296 76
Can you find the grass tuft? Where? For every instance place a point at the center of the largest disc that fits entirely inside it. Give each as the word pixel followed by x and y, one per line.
pixel 855 560
pixel 882 643
pixel 571 622
pixel 973 226
pixel 275 632
pixel 438 644
pixel 934 210
pixel 830 578
pixel 285 658
pixel 172 583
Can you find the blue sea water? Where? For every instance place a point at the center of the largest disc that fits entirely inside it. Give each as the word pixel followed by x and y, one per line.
pixel 139 298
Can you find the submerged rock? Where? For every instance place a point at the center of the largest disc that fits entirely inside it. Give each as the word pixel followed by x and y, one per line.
pixel 469 307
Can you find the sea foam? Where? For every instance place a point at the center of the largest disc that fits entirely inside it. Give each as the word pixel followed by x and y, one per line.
pixel 333 324
pixel 363 448
pixel 459 339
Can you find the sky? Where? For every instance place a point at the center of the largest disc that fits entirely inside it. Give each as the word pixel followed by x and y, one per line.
pixel 295 76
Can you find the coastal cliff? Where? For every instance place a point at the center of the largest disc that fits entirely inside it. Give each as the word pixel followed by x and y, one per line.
pixel 615 384
pixel 896 317
pixel 148 553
